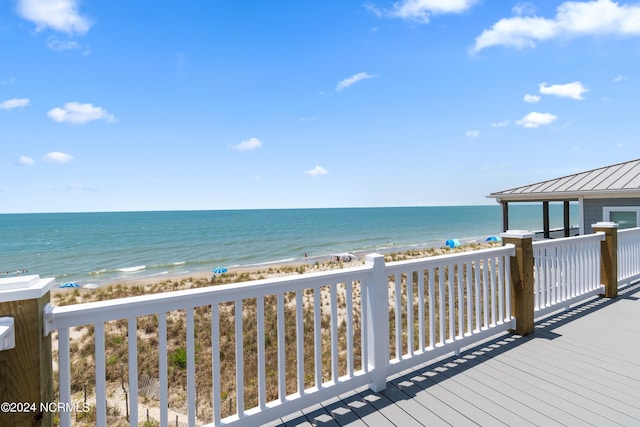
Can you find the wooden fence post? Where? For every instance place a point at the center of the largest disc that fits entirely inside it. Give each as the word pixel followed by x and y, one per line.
pixel 608 257
pixel 377 322
pixel 26 370
pixel 522 281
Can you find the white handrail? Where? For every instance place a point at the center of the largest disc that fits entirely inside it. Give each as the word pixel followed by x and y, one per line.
pixel 459 299
pixel 565 271
pixel 451 294
pixel 628 255
pixel 69 316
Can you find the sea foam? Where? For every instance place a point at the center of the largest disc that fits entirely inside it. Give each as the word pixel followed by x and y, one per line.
pixel 132 269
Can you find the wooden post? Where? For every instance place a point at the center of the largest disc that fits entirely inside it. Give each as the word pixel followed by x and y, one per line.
pixel 608 257
pixel 545 219
pixel 522 279
pixel 567 224
pixel 126 395
pixel 26 370
pixel 505 215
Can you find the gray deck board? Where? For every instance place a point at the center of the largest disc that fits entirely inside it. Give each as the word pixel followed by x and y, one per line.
pixel 581 367
pixel 433 398
pixel 612 370
pixel 393 412
pixel 494 403
pixel 415 407
pixel 591 403
pixel 479 411
pixel 295 419
pixel 342 413
pixel 536 410
pixel 537 390
pixel 611 391
pixel 318 415
pixel 365 411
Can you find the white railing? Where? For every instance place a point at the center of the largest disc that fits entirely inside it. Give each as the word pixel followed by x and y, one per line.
pixel 273 302
pixel 442 303
pixel 628 255
pixel 332 333
pixel 566 271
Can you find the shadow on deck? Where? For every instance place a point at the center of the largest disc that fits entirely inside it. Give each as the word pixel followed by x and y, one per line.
pixel 577 368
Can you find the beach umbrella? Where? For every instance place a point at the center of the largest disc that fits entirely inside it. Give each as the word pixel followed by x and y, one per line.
pixel 452 243
pixel 90 286
pixel 219 270
pixel 494 239
pixel 69 285
pixel 346 256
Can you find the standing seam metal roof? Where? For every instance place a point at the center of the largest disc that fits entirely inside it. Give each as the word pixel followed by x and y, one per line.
pixel 618 178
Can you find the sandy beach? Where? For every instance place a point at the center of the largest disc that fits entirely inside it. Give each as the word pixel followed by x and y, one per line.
pixel 201 278
pixel 242 274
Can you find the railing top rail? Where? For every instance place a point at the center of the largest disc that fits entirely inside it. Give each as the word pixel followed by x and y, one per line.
pixel 103 311
pixel 599 236
pixel 629 230
pixel 456 258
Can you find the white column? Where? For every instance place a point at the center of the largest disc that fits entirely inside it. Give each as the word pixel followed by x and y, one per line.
pixel 377 322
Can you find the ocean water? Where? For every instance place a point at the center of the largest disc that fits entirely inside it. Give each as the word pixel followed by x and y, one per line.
pixel 106 247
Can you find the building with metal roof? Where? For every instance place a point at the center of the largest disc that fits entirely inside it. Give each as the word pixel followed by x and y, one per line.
pixel 609 193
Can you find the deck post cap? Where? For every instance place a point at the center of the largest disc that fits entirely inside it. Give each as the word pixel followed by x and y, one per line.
pixel 517 234
pixel 24 287
pixel 605 224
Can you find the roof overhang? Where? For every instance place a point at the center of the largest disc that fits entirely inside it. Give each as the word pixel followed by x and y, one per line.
pixel 571 196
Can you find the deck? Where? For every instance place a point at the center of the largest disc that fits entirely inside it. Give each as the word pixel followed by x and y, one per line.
pixel 575 367
pixel 580 367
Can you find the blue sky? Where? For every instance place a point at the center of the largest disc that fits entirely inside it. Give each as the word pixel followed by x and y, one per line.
pixel 121 105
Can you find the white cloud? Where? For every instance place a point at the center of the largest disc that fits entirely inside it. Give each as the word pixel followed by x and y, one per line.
pixel 10 104
pixel 76 113
pixel 472 134
pixel 534 120
pixel 573 19
pixel 25 161
pixel 349 81
pixel 511 32
pixel 619 78
pixel 422 10
pixel 58 15
pixel 57 157
pixel 248 144
pixel 58 45
pixel 379 12
pixel 570 90
pixel 8 81
pixel 522 9
pixel 503 124
pixel 318 170
pixel 531 98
